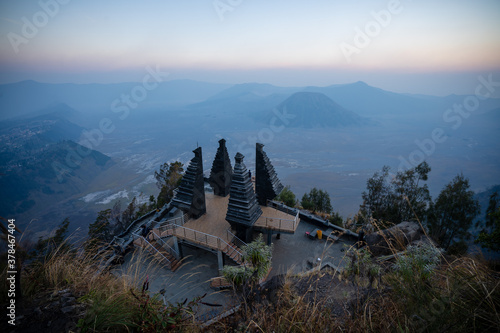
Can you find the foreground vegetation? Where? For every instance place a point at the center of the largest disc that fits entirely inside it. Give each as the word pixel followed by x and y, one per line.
pixel 419 290
pixel 107 302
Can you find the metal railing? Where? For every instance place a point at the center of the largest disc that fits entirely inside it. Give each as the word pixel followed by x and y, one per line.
pixel 232 238
pixel 277 223
pixel 155 250
pixel 164 227
pixel 201 238
pixel 179 221
pixel 164 244
pixel 282 207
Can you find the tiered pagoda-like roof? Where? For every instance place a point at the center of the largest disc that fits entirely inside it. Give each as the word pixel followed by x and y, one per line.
pixel 243 209
pixel 267 183
pixel 221 173
pixel 191 194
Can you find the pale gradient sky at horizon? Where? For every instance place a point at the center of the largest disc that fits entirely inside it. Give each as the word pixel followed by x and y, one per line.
pixel 434 47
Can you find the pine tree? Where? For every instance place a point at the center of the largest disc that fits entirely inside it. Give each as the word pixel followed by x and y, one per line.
pixel 403 198
pixel 317 201
pixel 490 235
pixel 128 214
pixel 100 231
pixel 57 242
pixel 287 197
pixel 453 213
pixel 168 178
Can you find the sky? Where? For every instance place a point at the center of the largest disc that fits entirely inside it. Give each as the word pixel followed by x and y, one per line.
pixel 433 47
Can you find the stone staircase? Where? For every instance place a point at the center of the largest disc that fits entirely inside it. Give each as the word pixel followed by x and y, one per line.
pixel 233 252
pixel 174 263
pixel 158 252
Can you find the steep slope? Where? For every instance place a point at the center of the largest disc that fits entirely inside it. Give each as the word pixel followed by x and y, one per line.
pixel 40 164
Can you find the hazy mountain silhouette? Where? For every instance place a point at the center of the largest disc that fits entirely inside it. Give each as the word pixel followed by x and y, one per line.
pixel 371 101
pixel 257 90
pixel 46 126
pixel 21 98
pixel 311 109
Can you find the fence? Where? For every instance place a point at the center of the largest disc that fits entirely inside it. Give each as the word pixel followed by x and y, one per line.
pixel 282 207
pixel 201 238
pixel 169 224
pixel 155 251
pixel 232 238
pixel 277 223
pixel 164 244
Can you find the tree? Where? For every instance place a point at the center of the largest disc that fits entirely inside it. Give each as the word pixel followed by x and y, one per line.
pixel 453 213
pixel 336 219
pixel 411 200
pixel 142 210
pixel 128 214
pixel 403 198
pixel 115 218
pixel 287 197
pixel 152 202
pixel 317 201
pixel 489 237
pixel 57 242
pixel 376 200
pixel 101 230
pixel 168 178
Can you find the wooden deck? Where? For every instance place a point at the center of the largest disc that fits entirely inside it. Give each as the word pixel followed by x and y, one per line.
pixel 211 230
pixel 214 221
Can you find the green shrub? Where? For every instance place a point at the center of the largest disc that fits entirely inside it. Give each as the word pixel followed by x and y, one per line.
pixel 418 263
pixel 258 255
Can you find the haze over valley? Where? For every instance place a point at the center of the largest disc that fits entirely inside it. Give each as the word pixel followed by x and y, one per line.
pixel 332 137
pixel 95 97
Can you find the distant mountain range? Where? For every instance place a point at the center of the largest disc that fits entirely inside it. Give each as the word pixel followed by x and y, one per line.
pixel 356 127
pixel 26 97
pixel 18 99
pixel 312 110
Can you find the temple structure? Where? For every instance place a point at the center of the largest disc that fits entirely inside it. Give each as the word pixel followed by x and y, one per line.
pixel 267 183
pixel 190 196
pixel 221 173
pixel 243 209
